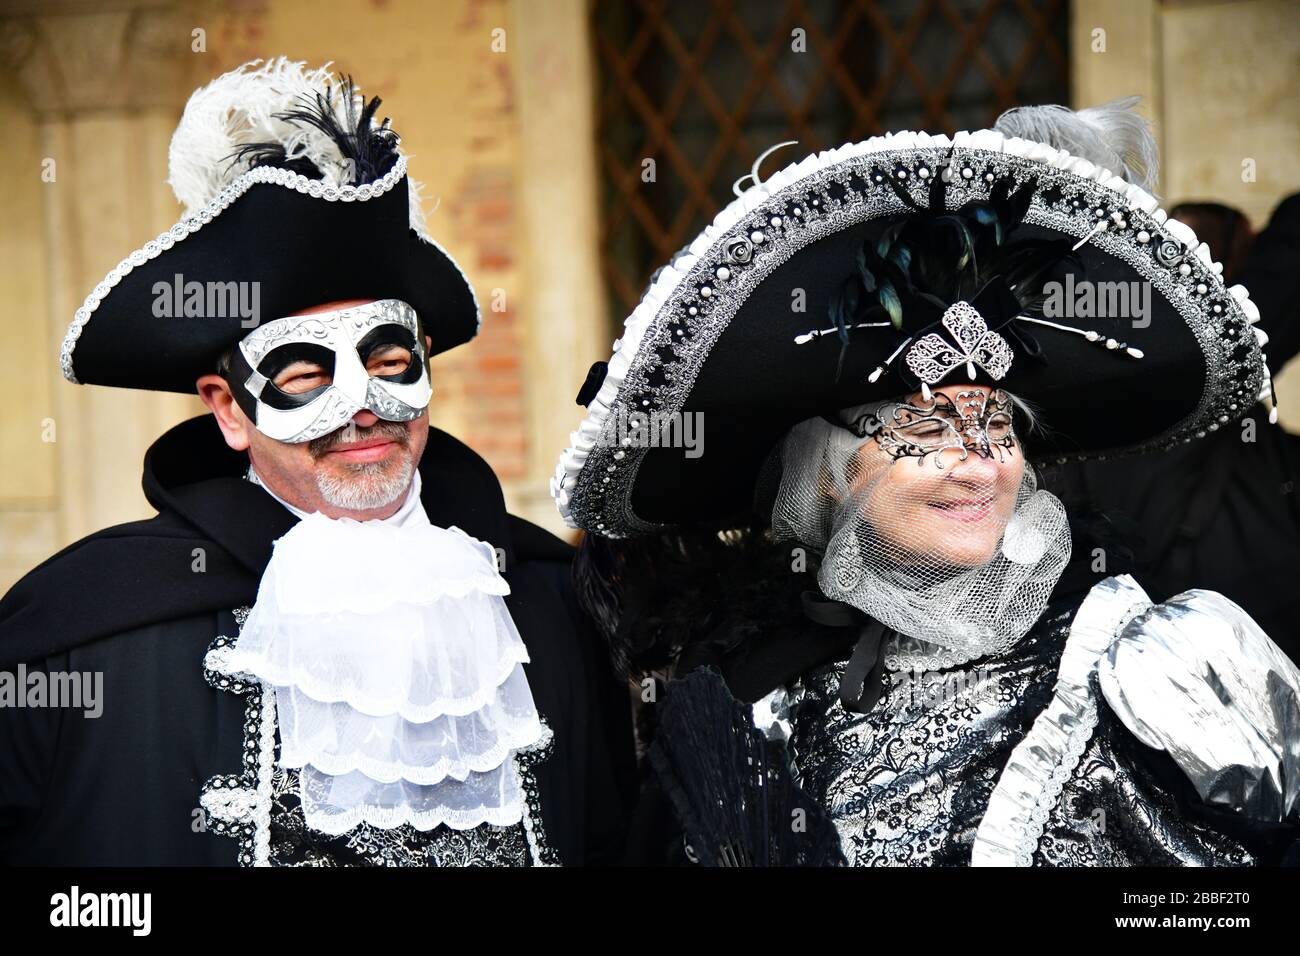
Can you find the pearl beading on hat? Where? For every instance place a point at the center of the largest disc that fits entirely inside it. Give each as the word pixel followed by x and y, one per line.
pixel 694 297
pixel 189 225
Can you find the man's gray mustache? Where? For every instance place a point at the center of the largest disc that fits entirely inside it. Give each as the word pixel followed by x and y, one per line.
pixel 349 435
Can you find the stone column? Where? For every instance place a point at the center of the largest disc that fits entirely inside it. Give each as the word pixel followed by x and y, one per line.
pixel 96 95
pixel 566 328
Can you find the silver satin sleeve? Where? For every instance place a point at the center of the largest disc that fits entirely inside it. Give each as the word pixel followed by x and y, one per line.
pixel 1198 678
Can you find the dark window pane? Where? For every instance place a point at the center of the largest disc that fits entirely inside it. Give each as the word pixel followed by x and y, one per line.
pixel 702 87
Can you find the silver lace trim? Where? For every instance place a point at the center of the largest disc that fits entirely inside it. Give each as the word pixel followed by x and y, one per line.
pixel 903 653
pixel 1044 760
pixel 239 805
pixel 539 849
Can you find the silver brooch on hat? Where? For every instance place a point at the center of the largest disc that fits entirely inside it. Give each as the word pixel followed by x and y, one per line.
pixel 933 357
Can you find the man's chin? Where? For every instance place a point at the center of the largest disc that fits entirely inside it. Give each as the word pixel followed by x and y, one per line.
pixel 365 485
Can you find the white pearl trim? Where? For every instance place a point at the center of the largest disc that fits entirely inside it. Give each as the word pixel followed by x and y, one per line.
pixel 265 768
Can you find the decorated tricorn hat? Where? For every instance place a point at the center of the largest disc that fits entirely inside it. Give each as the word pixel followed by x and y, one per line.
pixel 899 264
pixel 295 195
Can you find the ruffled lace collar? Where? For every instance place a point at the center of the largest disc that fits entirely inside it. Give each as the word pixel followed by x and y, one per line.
pixel 397 670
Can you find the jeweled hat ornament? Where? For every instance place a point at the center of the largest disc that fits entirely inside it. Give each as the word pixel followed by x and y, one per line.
pixel 295 194
pixel 907 261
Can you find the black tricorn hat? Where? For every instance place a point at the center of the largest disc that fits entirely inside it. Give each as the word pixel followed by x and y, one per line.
pixel 295 196
pixel 865 272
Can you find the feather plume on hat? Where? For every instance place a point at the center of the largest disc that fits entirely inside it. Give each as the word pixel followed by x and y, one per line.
pixel 279 113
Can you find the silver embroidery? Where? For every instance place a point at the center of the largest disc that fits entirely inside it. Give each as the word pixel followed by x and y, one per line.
pixel 909 782
pixel 933 357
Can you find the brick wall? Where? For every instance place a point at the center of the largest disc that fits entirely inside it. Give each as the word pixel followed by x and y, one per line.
pixel 450 96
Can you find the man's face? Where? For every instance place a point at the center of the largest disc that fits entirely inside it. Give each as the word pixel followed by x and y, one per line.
pixel 361 470
pixel 365 466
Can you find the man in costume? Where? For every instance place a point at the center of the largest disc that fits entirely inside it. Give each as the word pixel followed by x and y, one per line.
pixel 879 650
pixel 332 645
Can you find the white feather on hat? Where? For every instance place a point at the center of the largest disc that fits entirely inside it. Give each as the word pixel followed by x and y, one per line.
pixel 248 105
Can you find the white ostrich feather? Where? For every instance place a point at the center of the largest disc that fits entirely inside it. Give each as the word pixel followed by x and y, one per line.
pixel 238 108
pixel 241 107
pixel 1113 136
pixel 414 188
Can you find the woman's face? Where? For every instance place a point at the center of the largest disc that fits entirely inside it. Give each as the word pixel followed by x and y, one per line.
pixel 937 479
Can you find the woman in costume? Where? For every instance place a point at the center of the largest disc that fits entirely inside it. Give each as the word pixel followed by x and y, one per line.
pixel 879 648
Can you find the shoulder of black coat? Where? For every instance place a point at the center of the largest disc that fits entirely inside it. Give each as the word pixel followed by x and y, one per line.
pixel 534 543
pixel 120 578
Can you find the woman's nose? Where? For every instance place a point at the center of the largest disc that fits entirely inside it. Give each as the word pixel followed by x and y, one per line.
pixel 975 467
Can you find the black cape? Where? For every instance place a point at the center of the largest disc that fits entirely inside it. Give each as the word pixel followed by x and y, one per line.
pixel 132 604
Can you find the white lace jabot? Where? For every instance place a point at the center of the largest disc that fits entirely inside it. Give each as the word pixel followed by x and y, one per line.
pixel 397 670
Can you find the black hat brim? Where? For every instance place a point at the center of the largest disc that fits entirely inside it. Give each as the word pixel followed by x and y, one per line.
pixel 756 384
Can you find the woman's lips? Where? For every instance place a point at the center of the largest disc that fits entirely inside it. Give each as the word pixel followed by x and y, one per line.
pixel 965 509
pixel 365 451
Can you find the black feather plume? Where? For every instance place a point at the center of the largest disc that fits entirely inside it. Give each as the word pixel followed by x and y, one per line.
pixel 931 257
pixel 659 596
pixel 370 149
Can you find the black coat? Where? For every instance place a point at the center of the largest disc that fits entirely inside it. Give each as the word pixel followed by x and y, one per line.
pixel 128 602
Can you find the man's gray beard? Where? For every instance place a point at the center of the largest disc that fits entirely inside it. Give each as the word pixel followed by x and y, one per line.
pixel 366 485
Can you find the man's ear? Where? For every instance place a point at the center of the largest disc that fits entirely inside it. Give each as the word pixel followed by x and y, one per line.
pixel 215 393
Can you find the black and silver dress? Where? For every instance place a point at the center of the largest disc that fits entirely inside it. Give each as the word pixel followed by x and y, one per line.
pixel 1115 733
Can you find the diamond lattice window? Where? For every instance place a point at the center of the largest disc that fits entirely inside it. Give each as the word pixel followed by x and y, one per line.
pixel 702 87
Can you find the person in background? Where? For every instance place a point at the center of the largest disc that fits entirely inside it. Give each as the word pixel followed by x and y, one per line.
pixel 1224 513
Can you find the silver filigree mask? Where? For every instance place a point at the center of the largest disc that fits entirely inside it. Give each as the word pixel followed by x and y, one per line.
pixel 969 420
pixel 340 342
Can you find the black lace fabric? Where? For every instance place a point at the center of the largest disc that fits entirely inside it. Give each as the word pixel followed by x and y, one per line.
pixel 293 843
pixel 908 782
pixel 1113 812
